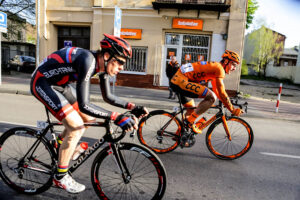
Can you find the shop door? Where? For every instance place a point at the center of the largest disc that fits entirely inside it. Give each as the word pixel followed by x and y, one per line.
pixel 76 36
pixel 172 48
pixel 187 49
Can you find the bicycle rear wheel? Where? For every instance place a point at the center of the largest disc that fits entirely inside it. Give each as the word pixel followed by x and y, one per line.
pixel 146 179
pixel 160 131
pixel 26 163
pixel 241 138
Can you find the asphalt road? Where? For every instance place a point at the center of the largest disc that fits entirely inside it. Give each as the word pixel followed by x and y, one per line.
pixel 269 171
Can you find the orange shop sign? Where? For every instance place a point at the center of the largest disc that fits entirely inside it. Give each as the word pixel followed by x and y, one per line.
pixel 131 33
pixel 187 23
pixel 188 57
pixel 200 58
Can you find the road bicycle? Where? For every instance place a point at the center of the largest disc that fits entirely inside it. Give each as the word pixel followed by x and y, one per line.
pixel 28 160
pixel 227 137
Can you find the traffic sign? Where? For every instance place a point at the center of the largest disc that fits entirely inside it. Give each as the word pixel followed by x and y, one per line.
pixel 117 23
pixel 67 43
pixel 3 22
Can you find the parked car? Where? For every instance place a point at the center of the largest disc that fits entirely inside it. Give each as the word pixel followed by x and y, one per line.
pixel 22 63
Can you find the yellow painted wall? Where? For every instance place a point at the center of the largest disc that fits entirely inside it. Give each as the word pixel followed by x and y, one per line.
pixel 154 25
pixel 128 3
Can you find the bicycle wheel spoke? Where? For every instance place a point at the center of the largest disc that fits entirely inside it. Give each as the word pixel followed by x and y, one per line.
pixel 160 132
pixel 142 182
pixel 28 174
pixel 241 139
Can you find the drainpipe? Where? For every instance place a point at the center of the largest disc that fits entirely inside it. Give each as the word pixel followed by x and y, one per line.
pixel 37 59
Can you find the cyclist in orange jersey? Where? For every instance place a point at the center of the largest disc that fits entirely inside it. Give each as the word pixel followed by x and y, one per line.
pixel 191 81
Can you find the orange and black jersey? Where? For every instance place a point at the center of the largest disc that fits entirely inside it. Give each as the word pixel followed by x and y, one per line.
pixel 202 72
pixel 72 65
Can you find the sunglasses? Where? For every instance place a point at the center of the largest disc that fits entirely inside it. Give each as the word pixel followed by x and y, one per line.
pixel 121 62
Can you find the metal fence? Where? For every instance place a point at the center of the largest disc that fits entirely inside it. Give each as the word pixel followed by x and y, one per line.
pixel 138 63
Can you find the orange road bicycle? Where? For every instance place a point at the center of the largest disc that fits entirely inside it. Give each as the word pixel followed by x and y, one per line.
pixel 121 170
pixel 227 137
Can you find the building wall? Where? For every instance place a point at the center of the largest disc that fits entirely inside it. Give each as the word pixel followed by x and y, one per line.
pixel 99 15
pixel 284 72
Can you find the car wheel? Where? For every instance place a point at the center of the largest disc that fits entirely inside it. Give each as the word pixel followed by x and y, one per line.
pixel 18 68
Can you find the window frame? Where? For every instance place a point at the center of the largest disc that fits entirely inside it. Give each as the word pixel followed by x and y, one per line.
pixel 146 61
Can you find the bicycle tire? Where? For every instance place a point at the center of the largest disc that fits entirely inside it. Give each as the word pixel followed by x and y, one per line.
pixel 148 174
pixel 242 138
pixel 150 135
pixel 33 175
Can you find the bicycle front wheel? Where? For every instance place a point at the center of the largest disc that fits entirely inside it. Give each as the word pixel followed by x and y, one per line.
pixel 160 131
pixel 219 144
pixel 146 178
pixel 26 162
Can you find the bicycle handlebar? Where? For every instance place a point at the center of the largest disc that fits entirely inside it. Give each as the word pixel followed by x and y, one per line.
pixel 111 132
pixel 234 101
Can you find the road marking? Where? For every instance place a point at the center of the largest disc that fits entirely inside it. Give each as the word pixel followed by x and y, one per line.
pixel 14 123
pixel 280 155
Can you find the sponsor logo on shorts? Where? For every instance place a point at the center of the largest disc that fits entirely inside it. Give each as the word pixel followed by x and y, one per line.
pixel 192 87
pixel 46 98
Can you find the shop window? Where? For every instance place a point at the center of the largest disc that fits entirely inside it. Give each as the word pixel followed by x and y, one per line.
pixel 187 48
pixel 137 64
pixel 190 54
pixel 171 52
pixel 195 40
pixel 172 39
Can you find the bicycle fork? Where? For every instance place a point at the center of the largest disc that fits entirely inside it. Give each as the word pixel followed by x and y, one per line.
pixel 120 163
pixel 226 127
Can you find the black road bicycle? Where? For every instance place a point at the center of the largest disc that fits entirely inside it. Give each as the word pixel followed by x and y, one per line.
pixel 28 160
pixel 227 138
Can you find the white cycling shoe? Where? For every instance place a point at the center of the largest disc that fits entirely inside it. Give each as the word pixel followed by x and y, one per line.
pixel 69 184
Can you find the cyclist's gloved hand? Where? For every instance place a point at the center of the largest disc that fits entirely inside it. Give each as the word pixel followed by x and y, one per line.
pixel 140 111
pixel 237 112
pixel 125 122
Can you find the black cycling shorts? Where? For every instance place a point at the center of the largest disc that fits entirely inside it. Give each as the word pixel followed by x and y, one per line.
pixel 60 100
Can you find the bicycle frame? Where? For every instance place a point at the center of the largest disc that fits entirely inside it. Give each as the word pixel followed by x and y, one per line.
pixel 220 114
pixel 88 152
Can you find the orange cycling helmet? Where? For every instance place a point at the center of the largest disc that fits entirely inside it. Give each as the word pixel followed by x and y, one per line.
pixel 231 55
pixel 116 46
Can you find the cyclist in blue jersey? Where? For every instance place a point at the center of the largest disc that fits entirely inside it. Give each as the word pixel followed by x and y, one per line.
pixel 50 84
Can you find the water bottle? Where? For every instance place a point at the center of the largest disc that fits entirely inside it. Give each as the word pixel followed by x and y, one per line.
pixel 79 150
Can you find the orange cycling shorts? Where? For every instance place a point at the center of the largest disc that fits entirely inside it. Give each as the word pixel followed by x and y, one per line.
pixel 182 81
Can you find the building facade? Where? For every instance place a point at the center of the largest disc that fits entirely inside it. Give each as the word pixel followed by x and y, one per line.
pixel 19 39
pixel 192 30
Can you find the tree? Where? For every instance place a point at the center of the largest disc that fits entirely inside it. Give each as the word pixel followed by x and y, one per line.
pixel 20 8
pixel 252 7
pixel 268 46
pixel 17 11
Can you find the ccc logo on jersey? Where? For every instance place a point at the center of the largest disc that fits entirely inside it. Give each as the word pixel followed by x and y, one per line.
pixel 192 87
pixel 199 75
